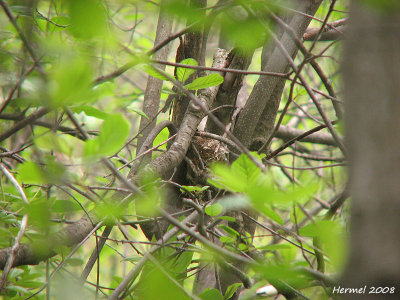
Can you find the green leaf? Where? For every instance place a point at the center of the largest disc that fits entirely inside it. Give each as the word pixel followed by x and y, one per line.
pixel 227 218
pixel 138 111
pixel 150 70
pixel 182 74
pixel 240 177
pixel 214 209
pixel 282 272
pixel 246 33
pixel 113 134
pixel 232 232
pixel 90 111
pixel 70 83
pixel 15 289
pixel 271 214
pixel 147 203
pixel 332 237
pixel 88 19
pixel 39 213
pixel 179 266
pixel 194 188
pixel 211 294
pixel 161 137
pixel 30 172
pixel 159 286
pixel 227 239
pixel 231 290
pixel 311 230
pixel 74 262
pixel 205 82
pixel 65 206
pixel 246 169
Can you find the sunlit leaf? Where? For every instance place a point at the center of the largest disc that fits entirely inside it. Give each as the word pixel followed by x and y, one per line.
pixel 246 32
pixel 90 111
pixel 71 82
pixel 227 239
pixel 113 134
pixel 87 18
pixel 205 82
pixel 191 188
pixel 231 290
pixel 165 288
pixel 232 232
pixel 182 74
pixel 211 294
pixel 227 218
pixel 213 209
pixel 149 70
pixel 180 264
pixel 30 172
pixel 148 203
pixel 332 238
pixel 138 111
pixel 282 273
pixel 65 206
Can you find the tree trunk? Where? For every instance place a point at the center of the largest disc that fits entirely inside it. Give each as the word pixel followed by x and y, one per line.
pixel 372 91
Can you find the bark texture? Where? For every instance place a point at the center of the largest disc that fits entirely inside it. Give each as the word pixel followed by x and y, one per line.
pixel 258 115
pixel 372 93
pixel 152 94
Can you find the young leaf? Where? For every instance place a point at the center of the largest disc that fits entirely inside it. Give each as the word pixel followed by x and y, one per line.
pixel 90 111
pixel 205 82
pixel 211 294
pixel 214 209
pixel 227 239
pixel 87 19
pixel 191 188
pixel 231 290
pixel 138 111
pixel 113 133
pixel 232 232
pixel 149 70
pixel 227 218
pixel 182 74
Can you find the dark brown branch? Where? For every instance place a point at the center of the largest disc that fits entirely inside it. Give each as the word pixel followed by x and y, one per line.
pixel 152 94
pixel 297 138
pixel 237 70
pixel 32 255
pixel 229 90
pixel 25 122
pixel 288 133
pixel 165 163
pixel 22 36
pixel 307 54
pixel 331 32
pixel 121 70
pixel 259 113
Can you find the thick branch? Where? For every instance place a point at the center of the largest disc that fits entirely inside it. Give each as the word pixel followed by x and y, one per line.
pixel 165 163
pixel 152 94
pixel 331 32
pixel 287 133
pixel 23 123
pixel 32 255
pixel 229 91
pixel 264 99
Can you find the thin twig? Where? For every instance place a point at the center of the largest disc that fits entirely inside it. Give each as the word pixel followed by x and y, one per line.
pixel 11 255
